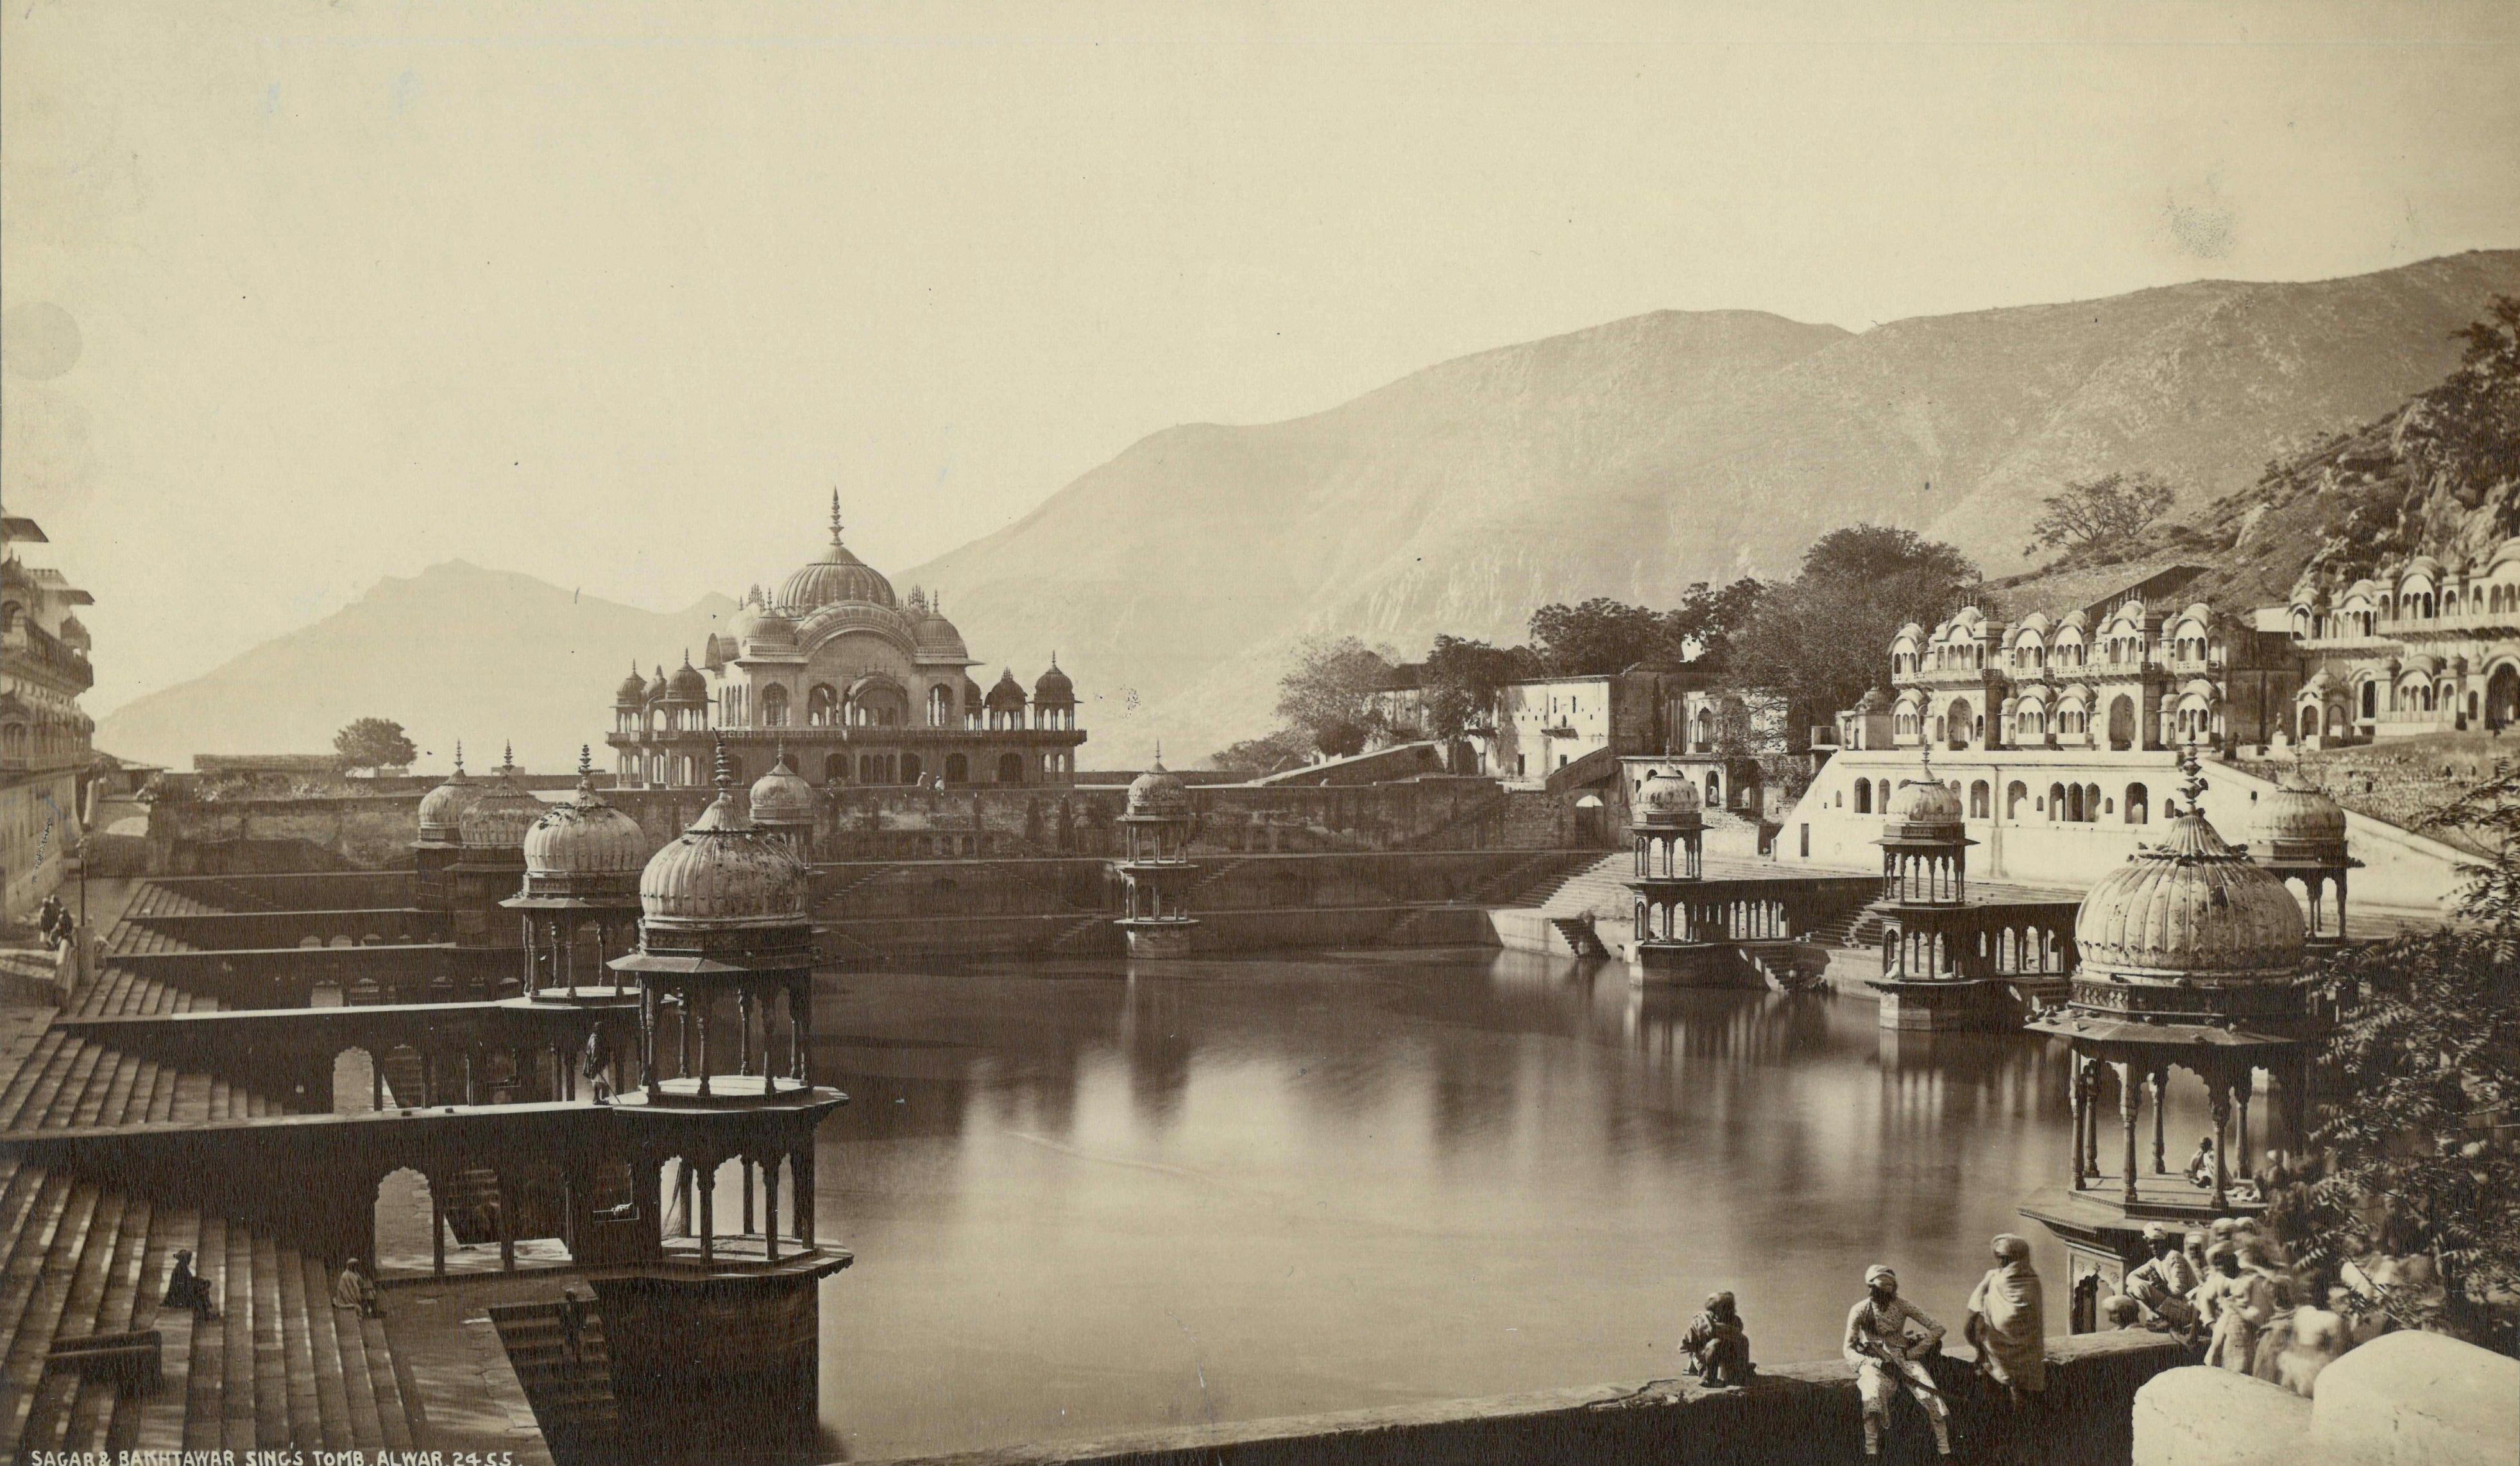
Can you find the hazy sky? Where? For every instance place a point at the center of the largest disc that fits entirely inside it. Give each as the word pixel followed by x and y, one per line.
pixel 303 295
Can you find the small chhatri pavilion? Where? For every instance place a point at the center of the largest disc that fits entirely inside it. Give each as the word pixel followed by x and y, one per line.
pixel 1949 962
pixel 1157 828
pixel 2191 959
pixel 1669 831
pixel 579 903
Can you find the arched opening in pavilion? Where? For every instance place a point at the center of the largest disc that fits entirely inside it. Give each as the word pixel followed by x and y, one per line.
pixel 1956 722
pixel 2502 697
pixel 1864 796
pixel 2138 804
pixel 1011 768
pixel 357 1083
pixel 412 1239
pixel 2015 796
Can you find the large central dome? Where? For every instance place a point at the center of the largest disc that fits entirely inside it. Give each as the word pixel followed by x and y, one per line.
pixel 837 577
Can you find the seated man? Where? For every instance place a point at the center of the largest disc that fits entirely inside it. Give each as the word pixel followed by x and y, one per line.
pixel 1717 1345
pixel 354 1289
pixel 1886 1354
pixel 2165 1286
pixel 2200 1165
pixel 185 1289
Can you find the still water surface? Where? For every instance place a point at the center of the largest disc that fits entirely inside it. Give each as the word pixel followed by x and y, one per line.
pixel 1088 1198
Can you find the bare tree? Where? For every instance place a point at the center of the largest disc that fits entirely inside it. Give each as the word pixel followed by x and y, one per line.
pixel 2113 507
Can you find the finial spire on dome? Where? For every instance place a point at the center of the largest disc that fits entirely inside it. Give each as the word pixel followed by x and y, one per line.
pixel 586 766
pixel 507 759
pixel 1160 753
pixel 459 755
pixel 725 769
pixel 2193 784
pixel 835 516
pixel 778 760
pixel 1925 760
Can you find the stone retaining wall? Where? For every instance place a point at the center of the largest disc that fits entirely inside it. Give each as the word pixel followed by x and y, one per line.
pixel 1793 1415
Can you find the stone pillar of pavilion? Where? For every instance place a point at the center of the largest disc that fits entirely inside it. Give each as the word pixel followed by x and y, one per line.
pixel 721 1125
pixel 438 844
pixel 578 907
pixel 2300 837
pixel 1938 965
pixel 1155 832
pixel 488 868
pixel 1674 945
pixel 2191 959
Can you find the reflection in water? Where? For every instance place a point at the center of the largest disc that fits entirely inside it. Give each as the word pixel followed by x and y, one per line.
pixel 1088 1198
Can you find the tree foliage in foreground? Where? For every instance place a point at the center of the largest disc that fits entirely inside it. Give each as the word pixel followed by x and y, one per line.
pixel 2422 1065
pixel 373 744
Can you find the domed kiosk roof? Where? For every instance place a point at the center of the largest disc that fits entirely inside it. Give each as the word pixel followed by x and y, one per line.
pixel 1054 688
pixel 1924 811
pixel 1006 694
pixel 2190 908
pixel 837 577
pixel 584 839
pixel 505 810
pixel 1668 801
pixel 783 796
pixel 722 874
pixel 1158 793
pixel 2300 824
pixel 441 810
pixel 633 689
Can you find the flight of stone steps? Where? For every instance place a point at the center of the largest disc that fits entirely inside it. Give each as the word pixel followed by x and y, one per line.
pixel 571 1393
pixel 282 1367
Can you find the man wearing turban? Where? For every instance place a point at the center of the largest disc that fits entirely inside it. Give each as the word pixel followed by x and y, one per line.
pixel 2007 1321
pixel 1717 1345
pixel 1883 1352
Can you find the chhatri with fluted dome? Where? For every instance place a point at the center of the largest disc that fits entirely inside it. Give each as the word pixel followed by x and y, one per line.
pixel 578 906
pixel 1667 827
pixel 2301 836
pixel 1951 962
pixel 1156 827
pixel 2192 958
pixel 723 923
pixel 864 687
pixel 782 803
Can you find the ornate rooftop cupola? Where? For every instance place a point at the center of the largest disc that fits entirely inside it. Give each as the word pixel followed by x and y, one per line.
pixel 440 842
pixel 724 927
pixel 579 902
pixel 1669 831
pixel 1157 827
pixel 783 804
pixel 486 870
pixel 2301 836
pixel 1924 843
pixel 2191 958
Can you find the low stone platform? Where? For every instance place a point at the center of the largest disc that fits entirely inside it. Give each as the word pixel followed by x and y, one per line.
pixel 1791 1415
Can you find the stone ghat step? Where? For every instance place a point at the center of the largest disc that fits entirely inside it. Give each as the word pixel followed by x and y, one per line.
pixel 572 1394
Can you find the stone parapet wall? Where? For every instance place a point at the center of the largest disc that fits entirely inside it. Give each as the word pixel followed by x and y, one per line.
pixel 374 832
pixel 1792 1415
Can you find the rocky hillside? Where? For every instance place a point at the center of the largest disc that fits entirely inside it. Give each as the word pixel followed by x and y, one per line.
pixel 1634 458
pixel 454 653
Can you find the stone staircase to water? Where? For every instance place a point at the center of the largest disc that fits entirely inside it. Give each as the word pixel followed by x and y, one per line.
pixel 571 1393
pixel 79 1260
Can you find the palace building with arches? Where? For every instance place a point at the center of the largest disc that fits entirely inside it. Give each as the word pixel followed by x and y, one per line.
pixel 2058 732
pixel 833 677
pixel 2420 647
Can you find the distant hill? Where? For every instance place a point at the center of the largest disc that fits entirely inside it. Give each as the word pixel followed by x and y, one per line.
pixel 454 653
pixel 1635 456
pixel 1627 460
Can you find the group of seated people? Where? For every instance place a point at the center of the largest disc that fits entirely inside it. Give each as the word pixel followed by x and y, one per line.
pixel 2229 1289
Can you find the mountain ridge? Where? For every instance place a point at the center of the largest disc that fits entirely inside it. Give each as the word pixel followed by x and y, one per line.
pixel 1625 459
